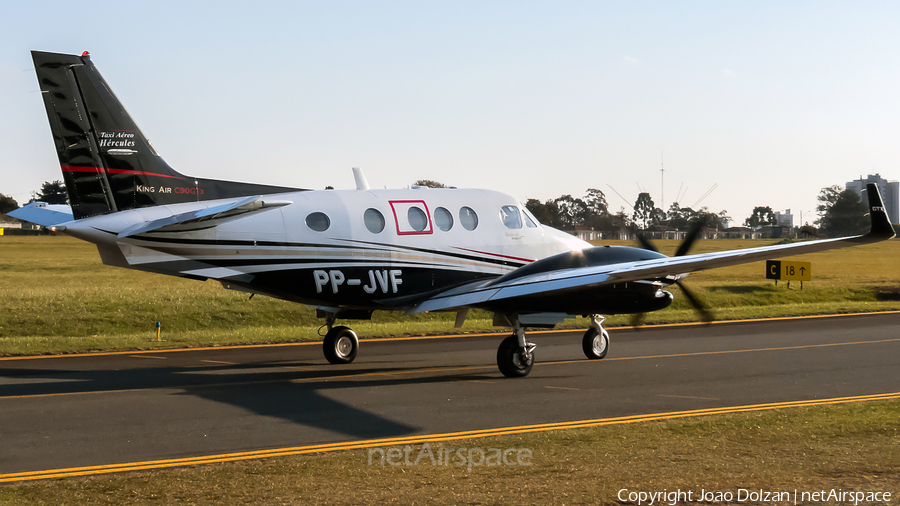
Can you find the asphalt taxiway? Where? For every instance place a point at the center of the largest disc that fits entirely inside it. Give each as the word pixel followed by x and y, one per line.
pixel 95 410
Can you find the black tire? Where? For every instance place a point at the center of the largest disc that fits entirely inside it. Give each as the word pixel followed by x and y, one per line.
pixel 514 361
pixel 595 344
pixel 340 345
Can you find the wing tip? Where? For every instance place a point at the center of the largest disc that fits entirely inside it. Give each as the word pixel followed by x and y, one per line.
pixel 881 224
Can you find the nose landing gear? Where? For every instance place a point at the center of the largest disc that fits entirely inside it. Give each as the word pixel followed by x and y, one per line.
pixel 595 342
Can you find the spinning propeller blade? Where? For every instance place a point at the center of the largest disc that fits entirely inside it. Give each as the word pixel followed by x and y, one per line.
pixel 698 305
pixel 693 234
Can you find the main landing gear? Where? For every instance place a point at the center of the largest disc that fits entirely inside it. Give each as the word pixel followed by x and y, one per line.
pixel 340 344
pixel 515 357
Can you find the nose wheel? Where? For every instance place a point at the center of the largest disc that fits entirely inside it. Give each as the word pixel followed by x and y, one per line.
pixel 595 342
pixel 340 345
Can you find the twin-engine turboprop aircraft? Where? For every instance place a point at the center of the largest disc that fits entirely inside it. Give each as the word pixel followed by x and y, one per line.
pixel 350 252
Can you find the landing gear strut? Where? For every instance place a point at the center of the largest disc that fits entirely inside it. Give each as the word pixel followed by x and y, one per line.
pixel 515 356
pixel 595 342
pixel 340 344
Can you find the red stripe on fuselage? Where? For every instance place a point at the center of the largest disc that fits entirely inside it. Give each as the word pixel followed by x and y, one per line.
pixel 97 170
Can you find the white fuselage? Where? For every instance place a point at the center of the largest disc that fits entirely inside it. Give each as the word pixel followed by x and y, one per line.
pixel 335 248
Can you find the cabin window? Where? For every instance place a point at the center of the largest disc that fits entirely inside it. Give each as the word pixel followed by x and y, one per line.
pixel 510 217
pixel 318 222
pixel 374 220
pixel 443 219
pixel 417 219
pixel 468 218
pixel 411 217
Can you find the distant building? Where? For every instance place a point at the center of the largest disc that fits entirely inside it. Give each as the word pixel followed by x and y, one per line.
pixel 8 222
pixel 890 193
pixel 785 219
pixel 586 233
pixel 740 233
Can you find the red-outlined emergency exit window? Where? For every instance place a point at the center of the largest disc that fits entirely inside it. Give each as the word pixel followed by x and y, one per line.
pixel 411 217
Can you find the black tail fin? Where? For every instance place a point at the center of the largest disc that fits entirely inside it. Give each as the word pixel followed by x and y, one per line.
pixel 107 163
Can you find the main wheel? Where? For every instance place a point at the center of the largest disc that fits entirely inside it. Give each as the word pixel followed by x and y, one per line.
pixel 340 345
pixel 595 344
pixel 513 360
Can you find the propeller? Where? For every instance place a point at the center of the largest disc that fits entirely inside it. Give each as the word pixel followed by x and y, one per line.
pixel 693 234
pixel 705 314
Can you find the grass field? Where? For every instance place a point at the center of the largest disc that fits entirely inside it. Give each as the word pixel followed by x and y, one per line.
pixel 56 296
pixel 850 447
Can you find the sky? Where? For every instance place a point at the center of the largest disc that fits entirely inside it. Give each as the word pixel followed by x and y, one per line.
pixel 770 101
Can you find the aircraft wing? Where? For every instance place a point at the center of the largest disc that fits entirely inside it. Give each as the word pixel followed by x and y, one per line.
pixel 554 282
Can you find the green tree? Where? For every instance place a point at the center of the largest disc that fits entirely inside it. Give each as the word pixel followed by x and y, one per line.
pixel 7 204
pixel 643 210
pixel 841 212
pixel 572 211
pixel 680 218
pixel 711 219
pixel 761 216
pixel 52 192
pixel 429 183
pixel 546 212
pixel 724 219
pixel 596 203
pixel 620 219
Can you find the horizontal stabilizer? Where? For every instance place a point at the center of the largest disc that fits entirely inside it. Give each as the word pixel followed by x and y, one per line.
pixel 205 218
pixel 44 214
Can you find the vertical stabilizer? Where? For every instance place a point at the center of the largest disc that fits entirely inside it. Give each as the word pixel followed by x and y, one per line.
pixel 107 162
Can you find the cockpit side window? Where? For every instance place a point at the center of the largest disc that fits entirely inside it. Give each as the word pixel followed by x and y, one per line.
pixel 530 221
pixel 510 217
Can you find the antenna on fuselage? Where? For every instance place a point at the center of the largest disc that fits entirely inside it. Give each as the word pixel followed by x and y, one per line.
pixel 361 183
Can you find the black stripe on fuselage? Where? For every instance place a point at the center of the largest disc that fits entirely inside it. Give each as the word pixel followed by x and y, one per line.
pixel 495 261
pixel 253 262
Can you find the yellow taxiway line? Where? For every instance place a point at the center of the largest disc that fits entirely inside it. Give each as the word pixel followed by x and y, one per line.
pixel 448 336
pixel 425 438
